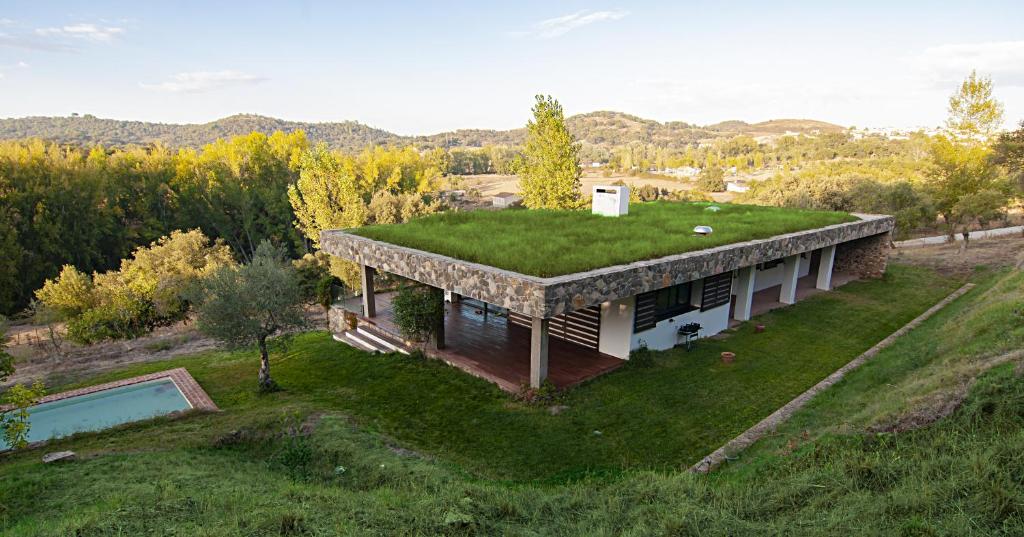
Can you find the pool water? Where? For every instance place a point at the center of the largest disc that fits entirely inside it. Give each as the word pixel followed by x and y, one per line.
pixel 103 409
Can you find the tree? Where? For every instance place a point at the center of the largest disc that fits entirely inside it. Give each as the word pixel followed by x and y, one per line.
pixel 964 181
pixel 974 114
pixel 246 305
pixel 711 179
pixel 419 311
pixel 550 167
pixel 1009 153
pixel 326 196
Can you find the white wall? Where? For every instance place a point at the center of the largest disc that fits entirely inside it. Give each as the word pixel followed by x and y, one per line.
pixel 617 327
pixel 773 276
pixel 663 336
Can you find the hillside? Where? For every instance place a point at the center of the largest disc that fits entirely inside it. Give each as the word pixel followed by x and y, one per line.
pixel 601 128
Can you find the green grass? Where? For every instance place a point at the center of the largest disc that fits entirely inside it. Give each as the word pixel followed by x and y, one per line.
pixel 662 417
pixel 240 472
pixel 552 243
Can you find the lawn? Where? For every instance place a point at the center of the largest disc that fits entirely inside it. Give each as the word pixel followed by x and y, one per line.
pixel 248 471
pixel 664 416
pixel 553 243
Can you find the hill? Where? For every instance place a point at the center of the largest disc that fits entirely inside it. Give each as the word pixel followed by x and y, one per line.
pixel 603 128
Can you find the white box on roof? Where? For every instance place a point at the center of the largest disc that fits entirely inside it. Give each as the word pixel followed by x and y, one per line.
pixel 610 200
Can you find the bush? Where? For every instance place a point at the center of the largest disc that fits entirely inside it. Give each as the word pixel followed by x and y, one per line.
pixel 418 311
pixel 125 319
pixel 711 179
pixel 148 290
pixel 547 394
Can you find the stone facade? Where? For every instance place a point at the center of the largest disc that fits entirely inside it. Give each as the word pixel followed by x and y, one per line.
pixel 866 257
pixel 549 297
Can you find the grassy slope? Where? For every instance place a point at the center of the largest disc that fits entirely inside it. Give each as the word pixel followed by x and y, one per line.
pixel 551 243
pixel 959 476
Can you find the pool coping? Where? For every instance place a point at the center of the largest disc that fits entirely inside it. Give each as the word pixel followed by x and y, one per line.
pixel 193 392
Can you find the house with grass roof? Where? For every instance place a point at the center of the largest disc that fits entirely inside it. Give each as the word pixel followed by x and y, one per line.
pixel 564 296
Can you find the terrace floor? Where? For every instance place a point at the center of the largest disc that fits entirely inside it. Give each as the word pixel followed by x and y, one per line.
pixel 767 299
pixel 490 347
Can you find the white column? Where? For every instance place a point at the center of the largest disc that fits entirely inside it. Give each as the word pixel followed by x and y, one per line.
pixel 744 292
pixel 790 275
pixel 538 352
pixel 828 258
pixel 369 305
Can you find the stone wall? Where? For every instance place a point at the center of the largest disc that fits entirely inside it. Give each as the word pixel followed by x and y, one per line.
pixel 866 257
pixel 549 297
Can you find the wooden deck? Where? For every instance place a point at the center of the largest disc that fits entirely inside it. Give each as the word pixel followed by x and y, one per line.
pixel 492 348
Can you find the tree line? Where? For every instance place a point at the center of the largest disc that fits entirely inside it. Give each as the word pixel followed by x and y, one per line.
pixel 92 207
pixel 968 174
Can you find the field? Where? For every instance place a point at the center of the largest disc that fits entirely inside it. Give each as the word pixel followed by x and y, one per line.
pixel 551 243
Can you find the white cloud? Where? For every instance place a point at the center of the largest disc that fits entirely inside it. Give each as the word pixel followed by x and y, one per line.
pixel 32 42
pixel 6 22
pixel 199 81
pixel 558 26
pixel 82 30
pixel 948 64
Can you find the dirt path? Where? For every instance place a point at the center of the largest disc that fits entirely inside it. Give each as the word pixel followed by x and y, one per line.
pixel 39 361
pixel 947 259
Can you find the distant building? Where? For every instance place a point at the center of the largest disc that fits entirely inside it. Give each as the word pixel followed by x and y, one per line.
pixel 682 172
pixel 738 186
pixel 503 200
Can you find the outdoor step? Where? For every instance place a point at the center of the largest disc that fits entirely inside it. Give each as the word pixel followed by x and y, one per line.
pixel 382 341
pixel 352 339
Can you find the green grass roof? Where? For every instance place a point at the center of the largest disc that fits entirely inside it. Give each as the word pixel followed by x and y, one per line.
pixel 552 243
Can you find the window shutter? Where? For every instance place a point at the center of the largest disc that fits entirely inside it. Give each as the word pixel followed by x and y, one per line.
pixel 717 291
pixel 645 314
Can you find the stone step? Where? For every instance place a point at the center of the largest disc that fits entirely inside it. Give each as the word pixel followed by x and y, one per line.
pixel 355 341
pixel 382 341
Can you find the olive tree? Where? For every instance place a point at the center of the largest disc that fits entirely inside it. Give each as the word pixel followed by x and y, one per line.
pixel 14 424
pixel 246 305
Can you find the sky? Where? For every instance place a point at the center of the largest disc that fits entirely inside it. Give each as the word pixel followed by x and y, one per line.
pixel 426 67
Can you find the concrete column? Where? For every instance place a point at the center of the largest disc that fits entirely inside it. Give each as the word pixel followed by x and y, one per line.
pixel 790 275
pixel 439 329
pixel 538 352
pixel 744 292
pixel 828 257
pixel 369 305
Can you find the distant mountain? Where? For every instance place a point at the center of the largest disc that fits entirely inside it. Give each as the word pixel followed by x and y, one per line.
pixel 595 128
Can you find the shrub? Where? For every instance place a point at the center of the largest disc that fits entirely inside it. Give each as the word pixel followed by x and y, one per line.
pixel 418 311
pixel 126 319
pixel 70 294
pixel 547 394
pixel 148 290
pixel 642 357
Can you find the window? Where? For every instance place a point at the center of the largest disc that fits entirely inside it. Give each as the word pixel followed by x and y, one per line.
pixel 660 305
pixel 717 291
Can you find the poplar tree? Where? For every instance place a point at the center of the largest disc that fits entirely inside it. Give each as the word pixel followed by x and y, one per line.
pixel 549 174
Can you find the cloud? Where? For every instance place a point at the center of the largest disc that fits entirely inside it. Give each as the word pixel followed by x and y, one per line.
pixel 200 81
pixel 82 30
pixel 948 64
pixel 32 42
pixel 559 26
pixel 6 22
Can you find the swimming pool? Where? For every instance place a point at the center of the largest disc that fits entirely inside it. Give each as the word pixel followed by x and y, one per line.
pixel 100 407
